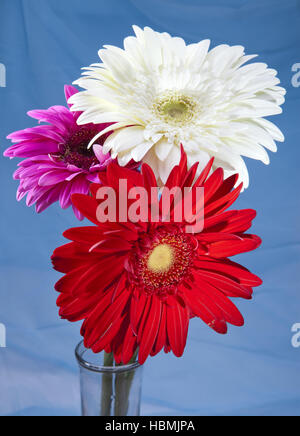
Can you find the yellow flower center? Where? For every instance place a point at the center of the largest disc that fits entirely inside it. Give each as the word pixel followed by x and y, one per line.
pixel 175 108
pixel 161 258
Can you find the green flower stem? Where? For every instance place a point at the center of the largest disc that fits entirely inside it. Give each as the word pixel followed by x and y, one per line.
pixel 107 386
pixel 123 383
pixel 117 384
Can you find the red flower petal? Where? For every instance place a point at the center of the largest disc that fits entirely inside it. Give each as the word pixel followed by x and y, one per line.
pixel 84 235
pixel 87 206
pixel 230 269
pixel 177 326
pixel 207 310
pixel 150 329
pixel 225 284
pixel 213 183
pixel 129 345
pixel 96 325
pixel 162 332
pixel 230 313
pixel 223 249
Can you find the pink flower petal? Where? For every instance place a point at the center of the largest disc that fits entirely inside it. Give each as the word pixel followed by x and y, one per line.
pixel 53 177
pixel 65 196
pixel 69 91
pixel 102 158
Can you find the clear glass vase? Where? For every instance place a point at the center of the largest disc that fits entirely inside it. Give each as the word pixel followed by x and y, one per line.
pixel 108 389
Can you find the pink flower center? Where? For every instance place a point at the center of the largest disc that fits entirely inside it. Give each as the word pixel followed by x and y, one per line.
pixel 75 150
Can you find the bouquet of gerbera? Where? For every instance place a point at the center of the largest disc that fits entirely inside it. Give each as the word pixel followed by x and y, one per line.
pixel 150 152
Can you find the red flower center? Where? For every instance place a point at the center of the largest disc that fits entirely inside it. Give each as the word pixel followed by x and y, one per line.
pixel 160 262
pixel 75 150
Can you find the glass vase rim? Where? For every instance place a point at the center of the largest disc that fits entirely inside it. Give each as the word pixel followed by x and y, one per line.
pixel 79 350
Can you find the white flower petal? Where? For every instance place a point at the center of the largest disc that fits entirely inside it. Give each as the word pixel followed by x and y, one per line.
pixel 166 166
pixel 196 54
pixel 202 157
pixel 126 139
pixel 108 129
pixel 151 159
pixel 232 164
pixel 94 115
pixel 253 151
pixel 123 139
pixel 124 158
pixel 272 129
pixel 162 149
pixel 138 152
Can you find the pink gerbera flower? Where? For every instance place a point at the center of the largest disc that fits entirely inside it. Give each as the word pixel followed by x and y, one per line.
pixel 58 162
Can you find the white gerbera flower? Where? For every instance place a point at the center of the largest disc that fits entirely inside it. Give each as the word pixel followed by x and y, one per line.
pixel 162 93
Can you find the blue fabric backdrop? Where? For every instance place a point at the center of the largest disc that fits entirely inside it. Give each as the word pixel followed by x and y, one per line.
pixel 253 370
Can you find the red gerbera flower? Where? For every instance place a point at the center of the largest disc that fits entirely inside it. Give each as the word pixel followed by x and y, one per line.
pixel 136 285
